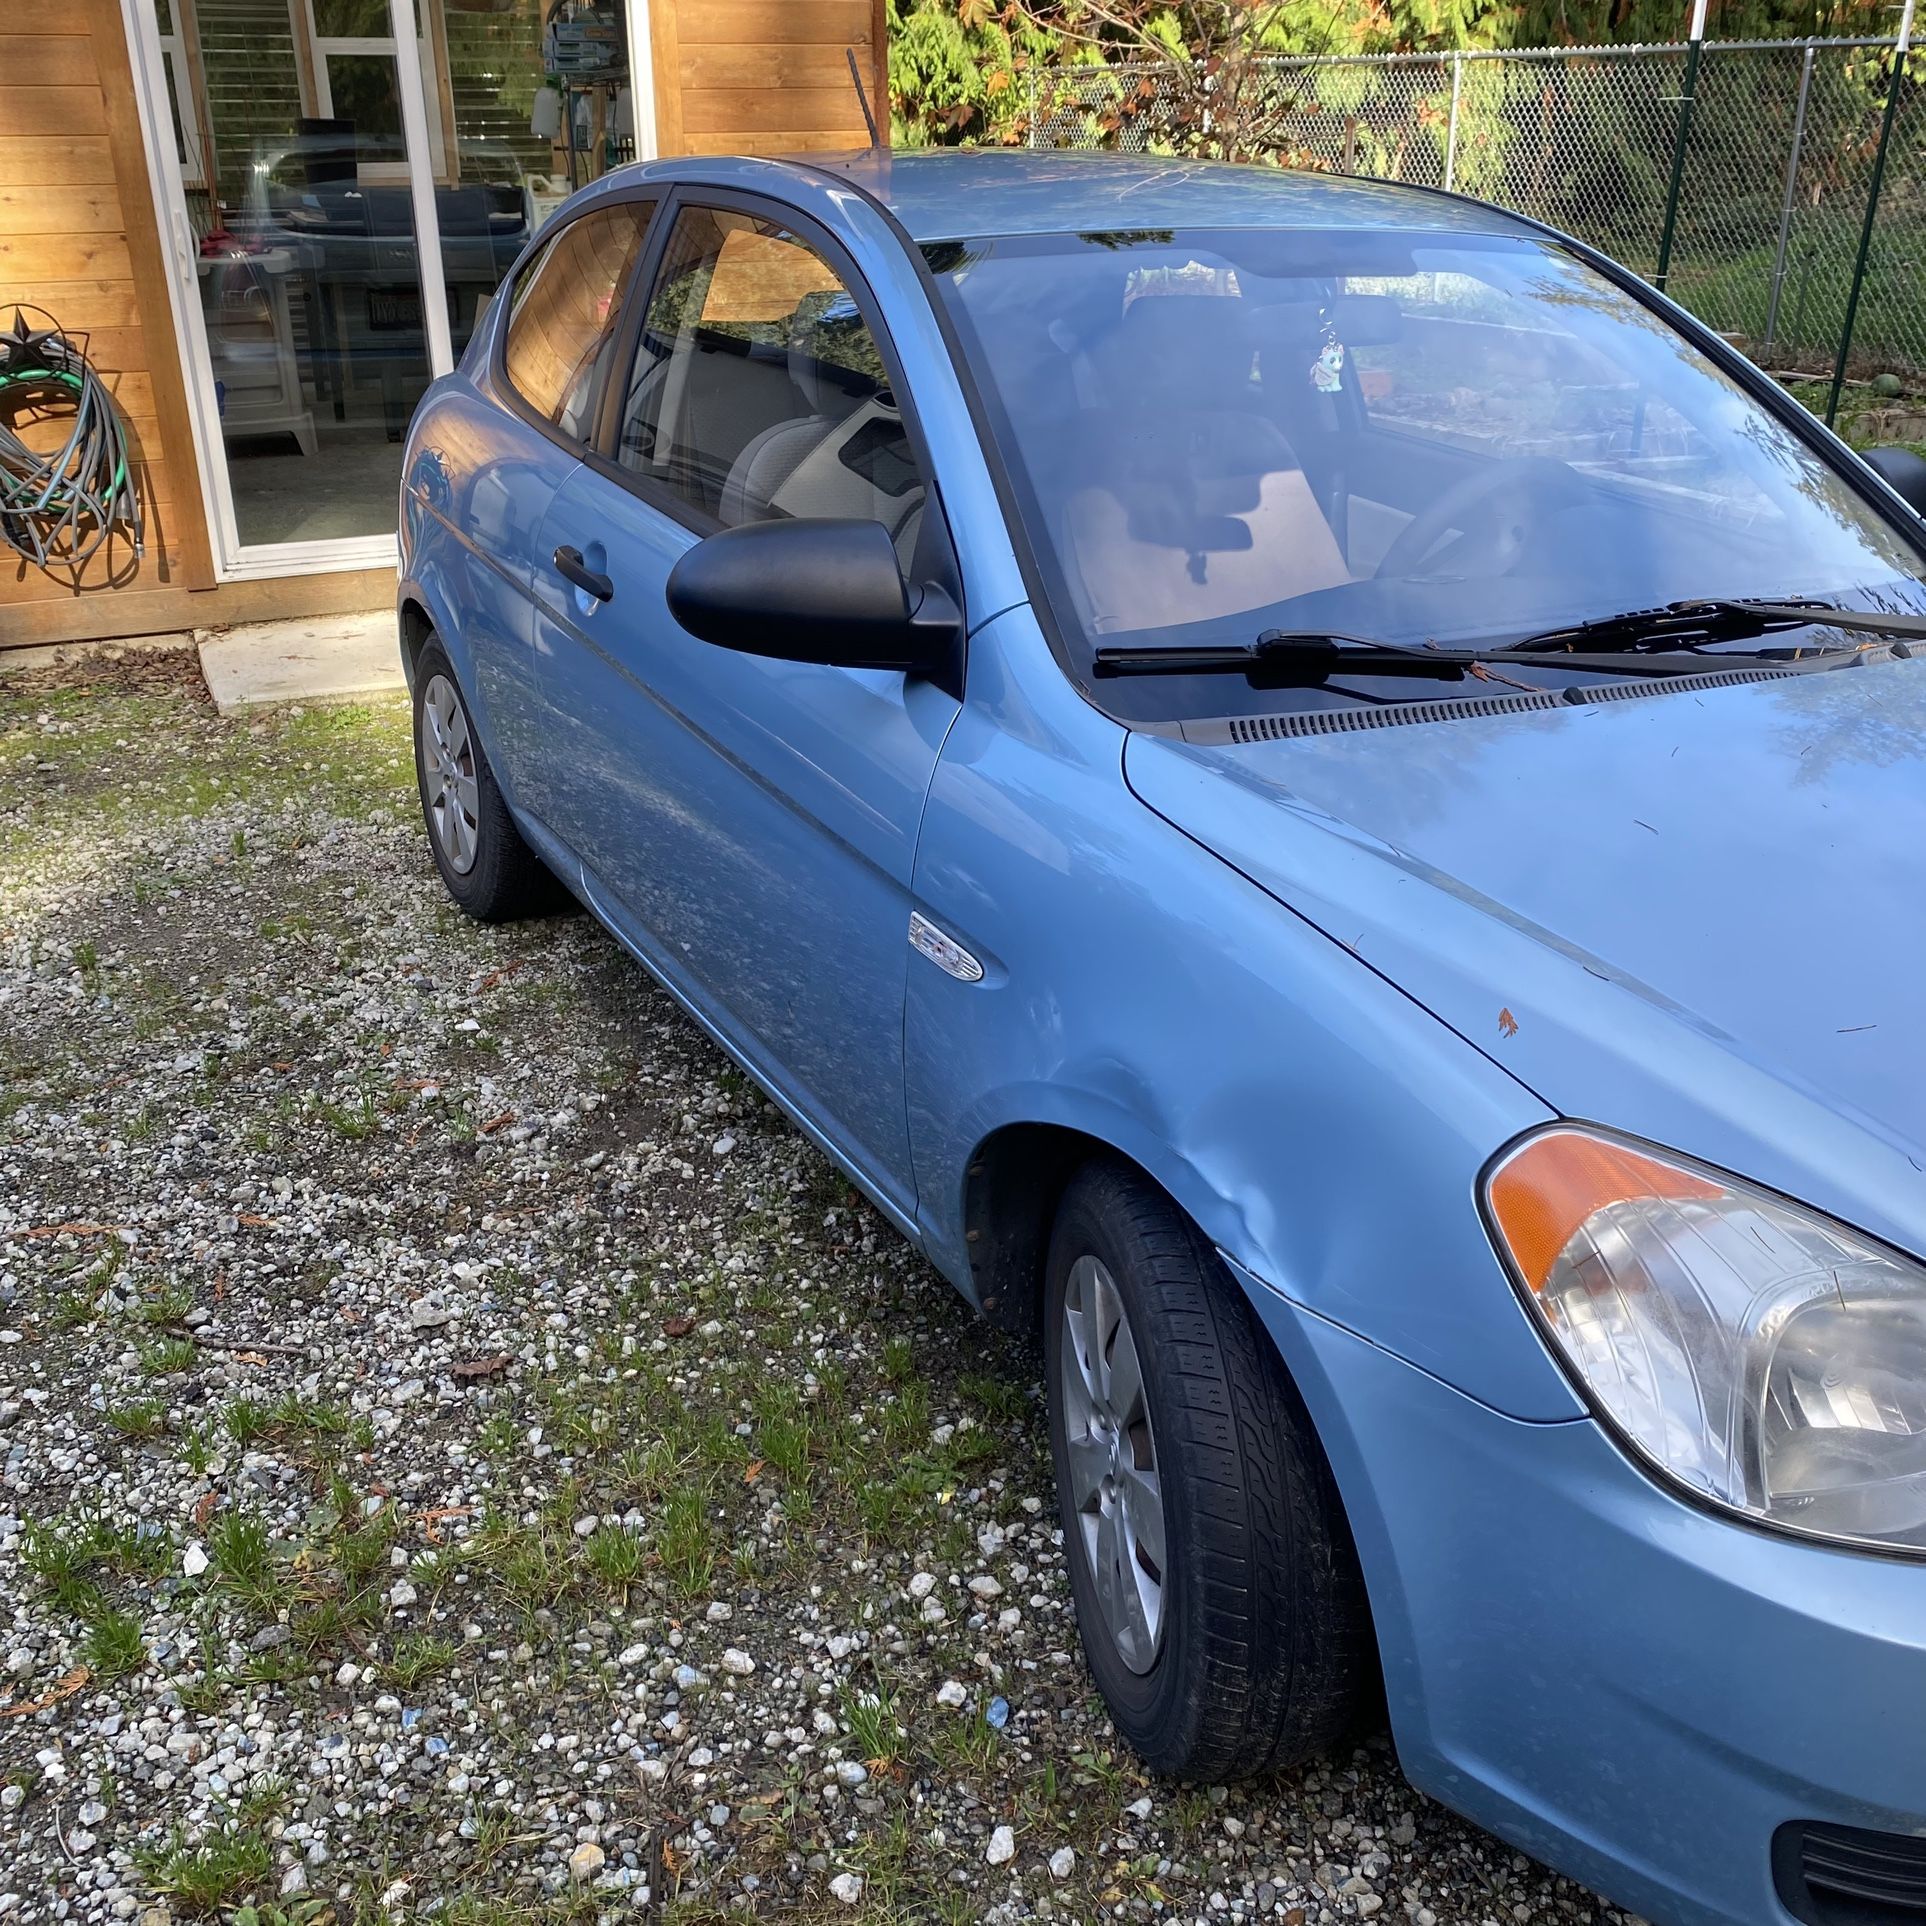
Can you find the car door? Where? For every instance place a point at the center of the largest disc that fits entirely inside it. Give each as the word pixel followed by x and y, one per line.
pixel 564 314
pixel 750 824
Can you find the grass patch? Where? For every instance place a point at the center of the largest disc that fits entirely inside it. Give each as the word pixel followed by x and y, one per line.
pixel 420 1658
pixel 113 1646
pixel 686 1539
pixel 615 1556
pixel 72 1556
pixel 138 1418
pixel 243 1555
pixel 207 1877
pixel 168 1356
pixel 874 1728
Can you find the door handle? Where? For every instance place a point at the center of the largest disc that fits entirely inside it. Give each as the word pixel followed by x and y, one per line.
pixel 570 566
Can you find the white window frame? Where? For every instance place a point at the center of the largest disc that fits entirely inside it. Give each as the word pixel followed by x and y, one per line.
pixel 184 112
pixel 167 180
pixel 379 46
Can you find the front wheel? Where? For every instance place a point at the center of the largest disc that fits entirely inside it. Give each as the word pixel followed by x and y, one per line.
pixel 1216 1587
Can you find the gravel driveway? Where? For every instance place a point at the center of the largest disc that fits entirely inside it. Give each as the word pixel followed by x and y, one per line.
pixel 465 1455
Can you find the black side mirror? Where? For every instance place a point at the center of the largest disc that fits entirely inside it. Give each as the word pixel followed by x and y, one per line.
pixel 1902 471
pixel 824 591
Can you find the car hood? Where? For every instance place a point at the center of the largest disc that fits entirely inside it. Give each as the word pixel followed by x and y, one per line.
pixel 1697 915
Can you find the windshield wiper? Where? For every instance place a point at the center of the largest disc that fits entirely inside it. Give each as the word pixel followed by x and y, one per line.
pixel 1290 660
pixel 1718 619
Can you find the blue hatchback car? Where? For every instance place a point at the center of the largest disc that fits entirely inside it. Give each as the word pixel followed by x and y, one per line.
pixel 1323 799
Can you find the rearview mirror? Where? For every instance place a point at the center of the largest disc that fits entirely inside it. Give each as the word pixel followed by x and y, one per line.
pixel 825 591
pixel 1902 471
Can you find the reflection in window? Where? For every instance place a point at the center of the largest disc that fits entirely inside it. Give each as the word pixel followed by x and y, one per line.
pixel 758 390
pixel 565 310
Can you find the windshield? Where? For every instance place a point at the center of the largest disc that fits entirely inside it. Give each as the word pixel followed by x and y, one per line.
pixel 1410 437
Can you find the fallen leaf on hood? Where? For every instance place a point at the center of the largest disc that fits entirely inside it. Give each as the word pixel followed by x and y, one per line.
pixel 1507 1024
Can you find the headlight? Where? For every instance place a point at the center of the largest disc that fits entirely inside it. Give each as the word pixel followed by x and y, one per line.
pixel 1761 1355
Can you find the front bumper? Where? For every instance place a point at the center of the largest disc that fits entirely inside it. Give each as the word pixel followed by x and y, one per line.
pixel 1638 1692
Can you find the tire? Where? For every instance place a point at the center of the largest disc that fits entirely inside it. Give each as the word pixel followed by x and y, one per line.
pixel 489 870
pixel 1262 1649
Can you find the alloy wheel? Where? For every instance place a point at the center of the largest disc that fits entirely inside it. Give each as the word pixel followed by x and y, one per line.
pixel 1112 1464
pixel 448 774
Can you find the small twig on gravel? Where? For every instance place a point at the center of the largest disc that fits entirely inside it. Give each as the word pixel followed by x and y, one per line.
pixel 207 1343
pixel 62 1837
pixel 69 1230
pixel 658 1863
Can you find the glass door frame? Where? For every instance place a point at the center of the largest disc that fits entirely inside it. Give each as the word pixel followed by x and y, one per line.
pixel 235 560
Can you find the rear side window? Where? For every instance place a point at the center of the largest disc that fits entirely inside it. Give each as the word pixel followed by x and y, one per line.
pixel 564 311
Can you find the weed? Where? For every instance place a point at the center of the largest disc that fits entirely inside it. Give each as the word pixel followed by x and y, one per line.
pixel 166 1356
pixel 996 1398
pixel 970 1743
pixel 248 1421
pixel 68 1556
pixel 874 1728
pixel 906 1418
pixel 686 1539
pixel 213 1875
pixel 113 1646
pixel 139 1418
pixel 533 1568
pixel 782 1431
pixel 355 1120
pixel 309 1416
pixel 197 1450
pixel 168 1305
pixel 614 1556
pixel 420 1657
pixel 243 1554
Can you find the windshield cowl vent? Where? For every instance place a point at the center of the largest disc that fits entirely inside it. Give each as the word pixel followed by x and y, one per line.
pixel 1218 731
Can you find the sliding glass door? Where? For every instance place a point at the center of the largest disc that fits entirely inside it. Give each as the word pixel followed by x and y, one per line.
pixel 350 180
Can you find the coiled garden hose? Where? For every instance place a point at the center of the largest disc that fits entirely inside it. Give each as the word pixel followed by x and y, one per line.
pixel 59 508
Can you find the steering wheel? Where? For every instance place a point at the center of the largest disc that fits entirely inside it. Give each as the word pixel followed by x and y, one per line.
pixel 1519 490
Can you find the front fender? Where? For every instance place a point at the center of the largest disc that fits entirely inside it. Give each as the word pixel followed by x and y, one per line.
pixel 1320 1127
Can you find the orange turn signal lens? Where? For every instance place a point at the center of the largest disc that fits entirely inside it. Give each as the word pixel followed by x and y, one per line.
pixel 1543 1194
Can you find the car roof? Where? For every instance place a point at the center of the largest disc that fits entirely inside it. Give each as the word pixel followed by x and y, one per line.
pixel 948 194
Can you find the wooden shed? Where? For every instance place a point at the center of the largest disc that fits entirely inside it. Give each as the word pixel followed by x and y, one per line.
pixel 239 204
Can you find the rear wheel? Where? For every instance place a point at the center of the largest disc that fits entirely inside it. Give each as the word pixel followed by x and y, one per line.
pixel 1217 1591
pixel 489 870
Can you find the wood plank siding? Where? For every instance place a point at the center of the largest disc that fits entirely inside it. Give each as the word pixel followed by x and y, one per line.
pixel 78 237
pixel 765 76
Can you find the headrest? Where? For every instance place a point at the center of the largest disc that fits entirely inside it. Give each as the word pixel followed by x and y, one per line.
pixel 1177 351
pixel 828 339
pixel 1366 320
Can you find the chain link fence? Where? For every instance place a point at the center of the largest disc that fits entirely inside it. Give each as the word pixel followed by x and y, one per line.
pixel 1778 164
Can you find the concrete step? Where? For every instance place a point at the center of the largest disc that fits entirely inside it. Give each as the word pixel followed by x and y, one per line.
pixel 322 659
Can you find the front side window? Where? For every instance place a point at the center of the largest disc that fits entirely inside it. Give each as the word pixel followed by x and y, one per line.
pixel 758 390
pixel 564 309
pixel 1405 437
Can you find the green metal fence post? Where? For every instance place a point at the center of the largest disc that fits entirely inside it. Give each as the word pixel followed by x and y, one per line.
pixel 1872 211
pixel 1697 38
